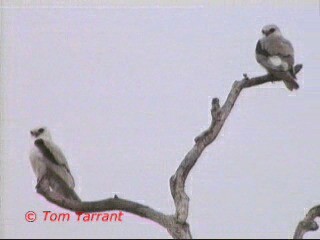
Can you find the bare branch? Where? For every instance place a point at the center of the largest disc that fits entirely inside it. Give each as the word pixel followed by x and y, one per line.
pixel 308 223
pixel 106 205
pixel 176 224
pixel 219 116
pixel 176 230
pixel 268 78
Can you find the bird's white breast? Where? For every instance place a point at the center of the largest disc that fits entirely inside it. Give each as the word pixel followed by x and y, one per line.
pixel 37 162
pixel 277 62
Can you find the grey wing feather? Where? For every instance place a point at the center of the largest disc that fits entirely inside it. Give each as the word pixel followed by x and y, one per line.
pixel 281 47
pixel 53 153
pixel 262 56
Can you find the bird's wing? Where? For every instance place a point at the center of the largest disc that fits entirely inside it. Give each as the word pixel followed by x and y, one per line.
pixel 275 54
pixel 53 154
pixel 279 46
pixel 260 49
pixel 262 56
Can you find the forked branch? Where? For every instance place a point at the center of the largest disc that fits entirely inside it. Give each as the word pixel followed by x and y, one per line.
pixel 219 116
pixel 175 224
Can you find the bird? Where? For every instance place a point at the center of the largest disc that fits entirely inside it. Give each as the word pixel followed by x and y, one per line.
pixel 45 157
pixel 276 54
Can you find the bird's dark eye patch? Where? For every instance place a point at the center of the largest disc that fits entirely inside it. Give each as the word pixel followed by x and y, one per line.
pixel 41 130
pixel 272 30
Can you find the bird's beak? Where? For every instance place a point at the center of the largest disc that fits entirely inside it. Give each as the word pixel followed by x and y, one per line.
pixel 32 133
pixel 263 32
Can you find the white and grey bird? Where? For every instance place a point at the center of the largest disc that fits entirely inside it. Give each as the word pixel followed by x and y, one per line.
pixel 46 155
pixel 276 55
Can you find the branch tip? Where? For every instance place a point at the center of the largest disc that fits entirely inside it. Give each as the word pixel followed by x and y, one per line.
pixel 215 102
pixel 245 76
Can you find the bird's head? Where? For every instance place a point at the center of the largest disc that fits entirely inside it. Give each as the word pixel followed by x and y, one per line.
pixel 41 132
pixel 270 30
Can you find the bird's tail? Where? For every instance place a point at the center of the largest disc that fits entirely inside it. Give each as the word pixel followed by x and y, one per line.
pixel 291 84
pixel 290 81
pixel 59 186
pixel 67 193
pixel 293 73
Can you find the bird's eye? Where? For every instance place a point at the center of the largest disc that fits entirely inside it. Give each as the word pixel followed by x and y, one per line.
pixel 272 30
pixel 41 130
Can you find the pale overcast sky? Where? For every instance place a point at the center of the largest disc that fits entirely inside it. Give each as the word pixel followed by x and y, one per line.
pixel 124 90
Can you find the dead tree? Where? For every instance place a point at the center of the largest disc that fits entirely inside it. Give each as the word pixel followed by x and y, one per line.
pixel 176 224
pixel 308 223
